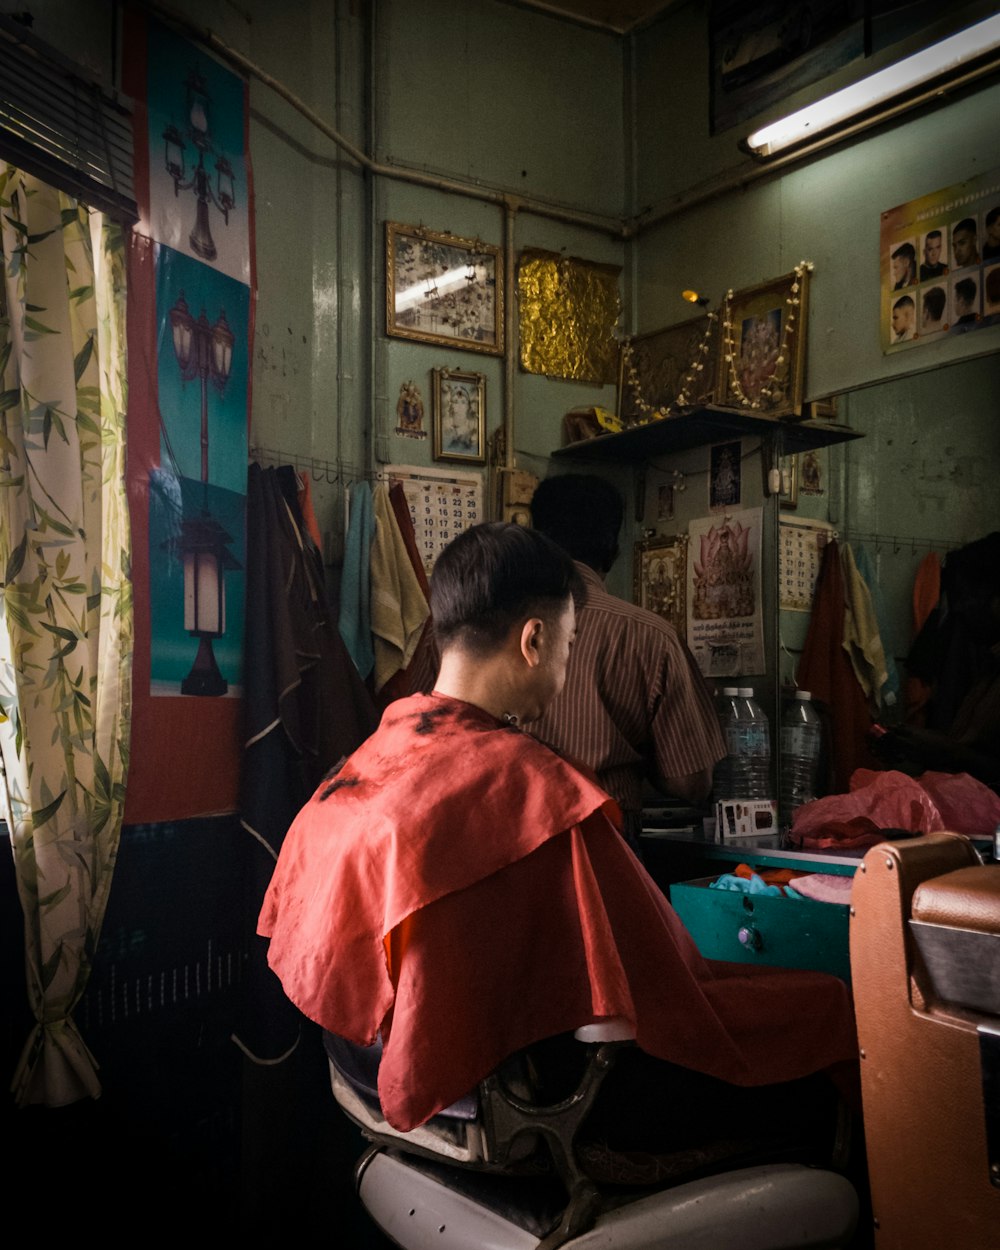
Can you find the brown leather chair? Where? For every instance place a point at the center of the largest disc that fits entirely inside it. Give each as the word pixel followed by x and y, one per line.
pixel 925 964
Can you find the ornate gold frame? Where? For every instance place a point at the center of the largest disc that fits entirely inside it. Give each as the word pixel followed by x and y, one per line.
pixel 660 575
pixel 774 388
pixel 443 289
pixel 449 446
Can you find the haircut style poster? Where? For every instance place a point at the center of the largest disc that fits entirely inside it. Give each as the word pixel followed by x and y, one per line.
pixel 725 628
pixel 939 262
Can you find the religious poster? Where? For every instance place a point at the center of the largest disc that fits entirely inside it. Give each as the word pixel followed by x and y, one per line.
pixel 939 261
pixel 724 478
pixel 725 628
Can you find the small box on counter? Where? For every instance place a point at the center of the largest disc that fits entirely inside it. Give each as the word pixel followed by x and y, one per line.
pixel 743 818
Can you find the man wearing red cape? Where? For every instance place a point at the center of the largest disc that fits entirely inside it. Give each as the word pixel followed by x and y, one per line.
pixel 461 890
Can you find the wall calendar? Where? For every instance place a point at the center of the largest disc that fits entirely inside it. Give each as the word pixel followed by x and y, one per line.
pixel 442 503
pixel 801 551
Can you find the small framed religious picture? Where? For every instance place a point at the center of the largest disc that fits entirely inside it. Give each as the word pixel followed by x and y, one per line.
pixel 661 578
pixel 724 478
pixel 459 416
pixel 762 359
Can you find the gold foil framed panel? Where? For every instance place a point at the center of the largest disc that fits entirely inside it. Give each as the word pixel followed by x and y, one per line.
pixel 568 310
pixel 443 289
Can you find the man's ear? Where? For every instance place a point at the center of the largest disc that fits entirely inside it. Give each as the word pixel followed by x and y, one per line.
pixel 531 636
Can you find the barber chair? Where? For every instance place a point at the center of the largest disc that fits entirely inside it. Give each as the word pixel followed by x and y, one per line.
pixel 925 962
pixel 498 1171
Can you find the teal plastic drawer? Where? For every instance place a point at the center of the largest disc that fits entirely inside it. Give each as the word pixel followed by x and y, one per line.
pixel 765 929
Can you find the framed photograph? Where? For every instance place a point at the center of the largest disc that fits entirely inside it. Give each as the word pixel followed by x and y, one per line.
pixel 725 476
pixel 459 405
pixel 442 289
pixel 661 578
pixel 656 369
pixel 763 352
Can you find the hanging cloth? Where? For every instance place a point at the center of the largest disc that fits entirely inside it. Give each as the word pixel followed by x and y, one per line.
pixel 400 683
pixel 355 587
pixel 866 567
pixel 826 670
pixel 862 640
pixel 398 605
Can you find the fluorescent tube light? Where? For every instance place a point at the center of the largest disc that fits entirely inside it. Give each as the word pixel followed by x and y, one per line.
pixel 914 71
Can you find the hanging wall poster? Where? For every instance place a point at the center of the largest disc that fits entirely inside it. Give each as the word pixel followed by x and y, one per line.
pixel 197 491
pixel 725 622
pixel 198 184
pixel 939 260
pixel 190 330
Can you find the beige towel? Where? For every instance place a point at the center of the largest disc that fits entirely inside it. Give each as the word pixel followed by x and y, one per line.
pixel 862 640
pixel 398 606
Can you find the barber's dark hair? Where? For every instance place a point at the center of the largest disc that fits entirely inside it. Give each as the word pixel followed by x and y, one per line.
pixel 494 576
pixel 583 513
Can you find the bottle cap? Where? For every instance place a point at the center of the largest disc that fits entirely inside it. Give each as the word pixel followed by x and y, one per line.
pixel 745 692
pixel 803 694
pixel 729 691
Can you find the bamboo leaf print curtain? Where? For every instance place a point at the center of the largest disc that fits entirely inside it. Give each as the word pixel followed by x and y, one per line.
pixel 66 608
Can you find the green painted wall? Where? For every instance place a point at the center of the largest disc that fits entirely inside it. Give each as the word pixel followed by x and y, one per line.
pixel 564 120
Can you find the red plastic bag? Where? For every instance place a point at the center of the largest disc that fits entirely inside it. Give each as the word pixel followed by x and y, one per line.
pixel 880 805
pixel 875 803
pixel 966 805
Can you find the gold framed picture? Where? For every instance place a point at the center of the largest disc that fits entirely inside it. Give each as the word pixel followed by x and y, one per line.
pixel 763 351
pixel 656 369
pixel 443 289
pixel 459 407
pixel 660 573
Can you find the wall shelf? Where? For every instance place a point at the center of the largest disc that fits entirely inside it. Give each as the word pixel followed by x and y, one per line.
pixel 701 426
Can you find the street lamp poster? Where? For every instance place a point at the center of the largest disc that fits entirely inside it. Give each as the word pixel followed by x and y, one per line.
pixel 196 131
pixel 197 492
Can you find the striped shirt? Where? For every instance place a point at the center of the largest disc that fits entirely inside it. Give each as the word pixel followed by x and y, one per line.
pixel 635 706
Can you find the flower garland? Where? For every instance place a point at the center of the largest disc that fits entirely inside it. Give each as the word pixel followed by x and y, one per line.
pixel 767 388
pixel 682 398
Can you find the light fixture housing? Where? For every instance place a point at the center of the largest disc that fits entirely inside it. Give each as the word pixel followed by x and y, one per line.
pixel 878 90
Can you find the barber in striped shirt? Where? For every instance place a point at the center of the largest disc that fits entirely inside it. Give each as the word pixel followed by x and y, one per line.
pixel 635 707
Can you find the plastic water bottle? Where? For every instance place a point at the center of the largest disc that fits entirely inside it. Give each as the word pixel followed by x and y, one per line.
pixel 723 778
pixel 758 747
pixel 801 737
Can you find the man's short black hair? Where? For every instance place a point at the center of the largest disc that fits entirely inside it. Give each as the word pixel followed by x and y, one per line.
pixel 966 291
pixel 904 301
pixel 933 234
pixel 991 216
pixel 968 224
pixel 492 577
pixel 583 513
pixel 906 250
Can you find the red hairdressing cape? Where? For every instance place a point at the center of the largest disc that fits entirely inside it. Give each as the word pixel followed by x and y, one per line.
pixel 463 889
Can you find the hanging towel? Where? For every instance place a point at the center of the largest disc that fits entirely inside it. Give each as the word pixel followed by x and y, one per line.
pixel 862 640
pixel 307 510
pixel 825 670
pixel 926 597
pixel 866 567
pixel 398 605
pixel 355 590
